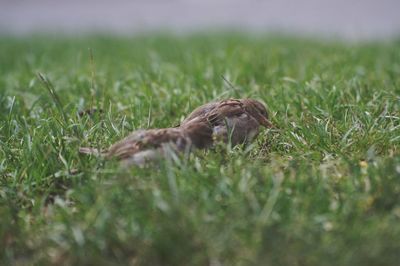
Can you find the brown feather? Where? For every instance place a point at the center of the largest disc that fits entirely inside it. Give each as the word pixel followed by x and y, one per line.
pixel 146 139
pixel 235 120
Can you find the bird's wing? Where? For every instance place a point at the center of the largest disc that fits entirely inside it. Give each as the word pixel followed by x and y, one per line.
pixel 199 131
pixel 200 111
pixel 217 111
pixel 143 140
pixel 225 109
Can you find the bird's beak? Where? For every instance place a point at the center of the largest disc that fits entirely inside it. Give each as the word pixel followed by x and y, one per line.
pixel 266 123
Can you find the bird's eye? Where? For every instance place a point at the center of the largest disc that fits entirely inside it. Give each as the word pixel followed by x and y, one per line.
pixel 263 112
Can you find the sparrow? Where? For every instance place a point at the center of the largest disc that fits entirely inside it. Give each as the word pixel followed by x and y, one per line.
pixel 234 120
pixel 143 146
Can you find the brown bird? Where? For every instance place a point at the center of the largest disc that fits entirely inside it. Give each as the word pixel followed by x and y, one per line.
pixel 143 146
pixel 234 120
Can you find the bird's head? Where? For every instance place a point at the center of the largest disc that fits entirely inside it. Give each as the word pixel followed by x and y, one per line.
pixel 258 111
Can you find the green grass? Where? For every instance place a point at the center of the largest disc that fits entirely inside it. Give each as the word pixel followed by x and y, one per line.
pixel 323 189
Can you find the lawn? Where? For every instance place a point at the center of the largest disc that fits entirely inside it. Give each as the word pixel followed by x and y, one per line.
pixel 322 188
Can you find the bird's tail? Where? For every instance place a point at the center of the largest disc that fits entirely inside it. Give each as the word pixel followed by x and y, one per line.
pixel 90 151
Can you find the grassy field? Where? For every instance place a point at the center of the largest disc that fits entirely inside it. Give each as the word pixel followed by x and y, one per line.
pixel 322 189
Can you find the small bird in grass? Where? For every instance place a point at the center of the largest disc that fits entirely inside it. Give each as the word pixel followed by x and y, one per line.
pixel 143 146
pixel 234 120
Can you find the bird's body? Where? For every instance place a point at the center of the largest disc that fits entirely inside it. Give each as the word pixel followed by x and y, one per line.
pixel 142 146
pixel 234 121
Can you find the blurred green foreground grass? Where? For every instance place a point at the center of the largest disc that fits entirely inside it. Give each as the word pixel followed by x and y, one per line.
pixel 322 189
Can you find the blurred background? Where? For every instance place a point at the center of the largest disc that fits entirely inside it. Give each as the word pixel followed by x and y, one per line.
pixel 347 19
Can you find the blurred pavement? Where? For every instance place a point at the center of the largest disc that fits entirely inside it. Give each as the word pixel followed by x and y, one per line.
pixel 351 19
